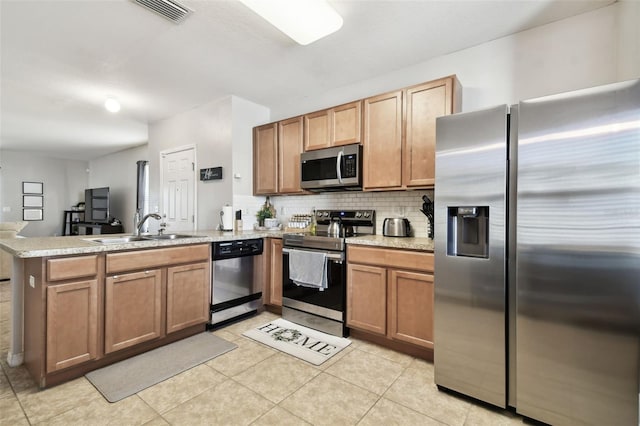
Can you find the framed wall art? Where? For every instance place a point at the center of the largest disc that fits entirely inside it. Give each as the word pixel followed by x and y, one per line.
pixel 35 188
pixel 31 214
pixel 32 201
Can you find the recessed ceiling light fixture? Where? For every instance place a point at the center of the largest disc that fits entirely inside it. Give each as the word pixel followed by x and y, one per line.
pixel 112 105
pixel 305 21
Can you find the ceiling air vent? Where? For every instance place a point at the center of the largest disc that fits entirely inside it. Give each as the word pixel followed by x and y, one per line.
pixel 173 11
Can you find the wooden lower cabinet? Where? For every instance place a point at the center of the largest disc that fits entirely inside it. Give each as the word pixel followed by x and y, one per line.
pixel 85 312
pixel 273 288
pixel 72 324
pixel 387 299
pixel 411 307
pixel 133 309
pixel 188 295
pixel 367 298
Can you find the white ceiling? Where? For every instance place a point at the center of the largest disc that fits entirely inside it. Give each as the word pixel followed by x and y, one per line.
pixel 60 59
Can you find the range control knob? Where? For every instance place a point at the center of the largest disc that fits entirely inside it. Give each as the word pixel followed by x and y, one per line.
pixel 358 215
pixel 367 214
pixel 325 214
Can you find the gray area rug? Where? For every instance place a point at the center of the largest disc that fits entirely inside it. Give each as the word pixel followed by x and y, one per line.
pixel 125 378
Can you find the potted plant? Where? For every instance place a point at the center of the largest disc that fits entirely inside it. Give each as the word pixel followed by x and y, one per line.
pixel 266 212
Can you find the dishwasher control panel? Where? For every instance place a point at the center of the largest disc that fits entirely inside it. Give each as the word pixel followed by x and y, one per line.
pixel 237 248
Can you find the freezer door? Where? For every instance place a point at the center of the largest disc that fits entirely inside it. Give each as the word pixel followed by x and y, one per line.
pixel 470 221
pixel 578 257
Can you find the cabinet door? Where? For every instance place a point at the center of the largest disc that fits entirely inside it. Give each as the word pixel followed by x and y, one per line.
pixel 72 324
pixel 290 137
pixel 275 272
pixel 317 130
pixel 383 141
pixel 188 295
pixel 346 124
pixel 367 298
pixel 133 307
pixel 411 307
pixel 424 103
pixel 265 159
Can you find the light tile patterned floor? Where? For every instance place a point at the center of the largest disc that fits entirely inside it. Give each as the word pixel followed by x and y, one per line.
pixel 252 385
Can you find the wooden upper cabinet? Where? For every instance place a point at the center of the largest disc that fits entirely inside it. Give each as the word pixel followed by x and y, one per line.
pixel 383 141
pixel 290 136
pixel 400 134
pixel 317 130
pixel 265 159
pixel 347 124
pixel 425 103
pixel 341 125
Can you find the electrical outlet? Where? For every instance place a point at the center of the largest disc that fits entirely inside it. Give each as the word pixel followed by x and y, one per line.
pixel 32 281
pixel 6 209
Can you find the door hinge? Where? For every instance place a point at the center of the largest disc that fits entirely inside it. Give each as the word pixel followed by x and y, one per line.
pixel 193 218
pixel 193 167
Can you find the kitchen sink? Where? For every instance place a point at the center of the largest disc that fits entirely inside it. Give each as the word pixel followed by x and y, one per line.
pixel 167 236
pixel 134 238
pixel 116 240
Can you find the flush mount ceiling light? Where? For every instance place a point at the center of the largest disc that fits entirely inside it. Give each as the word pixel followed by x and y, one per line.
pixel 305 21
pixel 112 105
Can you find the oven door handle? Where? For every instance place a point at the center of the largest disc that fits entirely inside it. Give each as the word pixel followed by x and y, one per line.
pixel 339 257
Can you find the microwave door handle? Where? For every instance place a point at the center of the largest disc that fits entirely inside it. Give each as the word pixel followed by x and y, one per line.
pixel 338 162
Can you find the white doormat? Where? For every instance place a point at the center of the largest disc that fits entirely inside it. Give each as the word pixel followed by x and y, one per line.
pixel 305 343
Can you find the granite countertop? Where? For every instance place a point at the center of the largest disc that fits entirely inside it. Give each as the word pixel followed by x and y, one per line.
pixel 408 243
pixel 72 245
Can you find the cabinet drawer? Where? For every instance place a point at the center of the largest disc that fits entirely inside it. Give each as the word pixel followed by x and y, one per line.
pixel 72 267
pixel 403 259
pixel 153 258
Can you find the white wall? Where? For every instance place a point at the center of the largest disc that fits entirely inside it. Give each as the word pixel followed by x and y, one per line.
pixel 118 171
pixel 628 39
pixel 245 115
pixel 64 182
pixel 221 133
pixel 594 48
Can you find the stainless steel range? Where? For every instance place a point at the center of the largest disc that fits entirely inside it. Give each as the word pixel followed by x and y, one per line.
pixel 314 270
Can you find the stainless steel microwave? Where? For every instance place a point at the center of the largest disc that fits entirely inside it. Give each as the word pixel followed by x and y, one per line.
pixel 332 169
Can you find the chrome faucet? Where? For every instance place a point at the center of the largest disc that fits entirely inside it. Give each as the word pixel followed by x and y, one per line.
pixel 138 223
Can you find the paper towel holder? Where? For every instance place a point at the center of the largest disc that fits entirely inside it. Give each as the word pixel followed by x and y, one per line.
pixel 226 218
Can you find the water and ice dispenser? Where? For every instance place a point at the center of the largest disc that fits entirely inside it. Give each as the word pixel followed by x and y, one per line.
pixel 468 231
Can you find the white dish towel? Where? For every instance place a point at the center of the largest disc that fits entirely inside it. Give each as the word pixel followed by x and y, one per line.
pixel 308 268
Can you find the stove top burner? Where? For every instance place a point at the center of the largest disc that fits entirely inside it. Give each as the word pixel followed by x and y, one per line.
pixel 354 222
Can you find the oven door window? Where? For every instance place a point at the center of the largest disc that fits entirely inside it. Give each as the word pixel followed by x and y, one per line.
pixel 332 297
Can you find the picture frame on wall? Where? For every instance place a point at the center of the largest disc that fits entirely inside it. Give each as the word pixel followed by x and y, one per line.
pixel 31 214
pixel 35 188
pixel 32 201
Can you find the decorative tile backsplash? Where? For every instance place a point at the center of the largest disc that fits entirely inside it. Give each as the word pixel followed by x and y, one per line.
pixel 386 204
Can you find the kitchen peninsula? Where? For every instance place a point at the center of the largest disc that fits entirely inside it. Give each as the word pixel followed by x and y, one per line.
pixel 71 287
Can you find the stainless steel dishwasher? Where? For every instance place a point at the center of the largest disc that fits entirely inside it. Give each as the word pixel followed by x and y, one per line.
pixel 236 280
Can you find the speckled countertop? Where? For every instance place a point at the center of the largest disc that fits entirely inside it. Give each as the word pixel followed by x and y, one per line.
pixel 71 245
pixel 408 243
pixel 64 246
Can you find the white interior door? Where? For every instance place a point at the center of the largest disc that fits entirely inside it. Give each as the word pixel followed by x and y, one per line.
pixel 178 189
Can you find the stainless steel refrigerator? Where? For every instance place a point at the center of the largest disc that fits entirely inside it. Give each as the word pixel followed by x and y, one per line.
pixel 537 256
